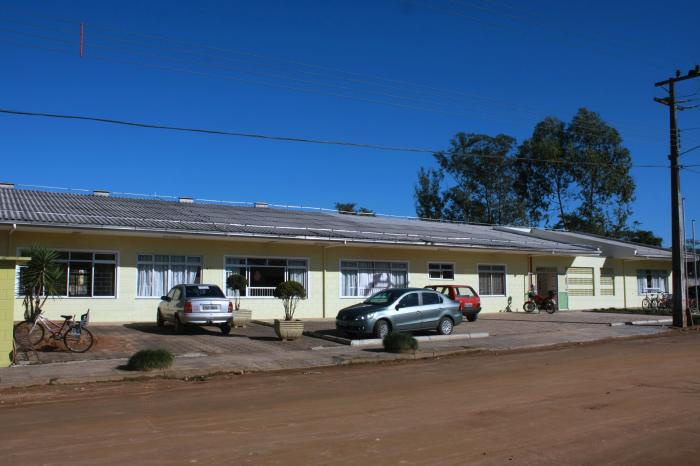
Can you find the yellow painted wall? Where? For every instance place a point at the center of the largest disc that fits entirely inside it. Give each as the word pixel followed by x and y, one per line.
pixel 7 291
pixel 128 307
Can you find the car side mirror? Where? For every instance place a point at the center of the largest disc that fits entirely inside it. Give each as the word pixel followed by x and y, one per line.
pixel 398 306
pixel 165 298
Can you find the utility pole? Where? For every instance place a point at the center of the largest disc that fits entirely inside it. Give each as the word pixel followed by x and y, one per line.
pixel 695 269
pixel 681 314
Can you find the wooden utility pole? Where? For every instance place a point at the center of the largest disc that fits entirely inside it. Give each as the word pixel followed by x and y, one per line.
pixel 681 313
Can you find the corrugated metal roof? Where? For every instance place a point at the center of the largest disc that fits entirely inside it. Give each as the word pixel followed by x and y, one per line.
pixel 46 208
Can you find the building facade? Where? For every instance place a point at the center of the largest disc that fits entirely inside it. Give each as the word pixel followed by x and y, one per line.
pixel 120 255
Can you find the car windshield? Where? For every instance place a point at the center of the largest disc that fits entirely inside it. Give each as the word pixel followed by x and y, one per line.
pixel 203 291
pixel 383 297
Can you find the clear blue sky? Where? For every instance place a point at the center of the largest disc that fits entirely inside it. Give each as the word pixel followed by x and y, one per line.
pixel 335 69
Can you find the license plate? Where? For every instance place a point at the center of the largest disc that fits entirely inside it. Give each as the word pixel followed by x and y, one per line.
pixel 210 307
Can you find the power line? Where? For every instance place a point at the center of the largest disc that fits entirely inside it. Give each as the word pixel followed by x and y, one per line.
pixel 300 139
pixel 690 150
pixel 373 80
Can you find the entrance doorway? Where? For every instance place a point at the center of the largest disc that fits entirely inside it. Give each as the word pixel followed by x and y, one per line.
pixel 547 280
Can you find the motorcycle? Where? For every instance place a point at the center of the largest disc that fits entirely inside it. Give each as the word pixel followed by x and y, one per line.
pixel 540 303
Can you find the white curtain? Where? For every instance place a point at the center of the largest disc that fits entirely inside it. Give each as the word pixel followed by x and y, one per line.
pixel 179 274
pixel 145 280
pixel 297 275
pixel 349 283
pixel 160 280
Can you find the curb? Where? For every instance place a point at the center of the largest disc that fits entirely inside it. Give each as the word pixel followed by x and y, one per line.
pixel 430 338
pixel 643 322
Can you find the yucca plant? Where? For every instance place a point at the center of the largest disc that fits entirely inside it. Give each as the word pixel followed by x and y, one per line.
pixel 149 359
pixel 40 279
pixel 399 342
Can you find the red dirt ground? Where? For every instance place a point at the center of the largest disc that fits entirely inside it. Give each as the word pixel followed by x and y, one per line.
pixel 624 402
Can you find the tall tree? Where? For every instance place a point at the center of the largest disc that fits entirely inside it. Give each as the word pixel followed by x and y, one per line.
pixel 545 176
pixel 429 200
pixel 482 169
pixel 348 208
pixel 601 173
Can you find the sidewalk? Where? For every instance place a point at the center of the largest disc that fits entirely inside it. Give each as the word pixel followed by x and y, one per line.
pixel 509 333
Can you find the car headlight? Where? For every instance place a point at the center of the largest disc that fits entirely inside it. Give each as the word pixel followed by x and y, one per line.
pixel 369 316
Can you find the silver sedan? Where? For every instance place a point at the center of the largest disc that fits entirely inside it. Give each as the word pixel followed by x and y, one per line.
pixel 400 309
pixel 195 304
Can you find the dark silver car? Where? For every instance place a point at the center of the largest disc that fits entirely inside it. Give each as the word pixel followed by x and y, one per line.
pixel 400 309
pixel 195 304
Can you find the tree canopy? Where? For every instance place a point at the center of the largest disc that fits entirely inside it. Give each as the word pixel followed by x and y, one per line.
pixel 574 176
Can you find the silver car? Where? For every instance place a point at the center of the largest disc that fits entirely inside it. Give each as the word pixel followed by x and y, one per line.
pixel 195 304
pixel 400 309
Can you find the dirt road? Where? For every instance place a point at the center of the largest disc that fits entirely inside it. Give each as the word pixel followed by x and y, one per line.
pixel 626 402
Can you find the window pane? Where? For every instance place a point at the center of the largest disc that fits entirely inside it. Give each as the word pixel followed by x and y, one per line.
pixel 431 298
pixel 145 258
pixel 177 259
pixel 61 255
pixel 266 276
pixel 296 263
pixel 448 275
pixel 485 283
pixel 194 260
pixel 347 264
pixel 144 280
pixel 236 270
pixel 104 257
pixel 62 286
pixel 257 261
pixel 161 258
pixel 104 279
pixel 80 279
pixel 435 274
pixel 410 300
pixel 81 256
pixel 235 260
pixel 278 262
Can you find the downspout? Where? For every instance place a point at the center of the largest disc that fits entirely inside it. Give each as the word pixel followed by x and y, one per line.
pixel 323 281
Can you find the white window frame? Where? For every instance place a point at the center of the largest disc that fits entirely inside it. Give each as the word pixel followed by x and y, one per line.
pixel 505 280
pixel 307 287
pixel 340 273
pixel 452 264
pixel 136 268
pixel 92 284
pixel 652 290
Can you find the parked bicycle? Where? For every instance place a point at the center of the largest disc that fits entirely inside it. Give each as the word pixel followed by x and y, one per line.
pixel 540 303
pixel 75 335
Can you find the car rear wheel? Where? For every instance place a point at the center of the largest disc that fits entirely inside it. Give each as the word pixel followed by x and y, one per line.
pixel 445 326
pixel 381 329
pixel 225 328
pixel 178 328
pixel 471 317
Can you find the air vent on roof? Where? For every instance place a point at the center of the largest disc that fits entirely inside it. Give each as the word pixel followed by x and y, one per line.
pixel 6 185
pixel 261 205
pixel 186 200
pixel 100 192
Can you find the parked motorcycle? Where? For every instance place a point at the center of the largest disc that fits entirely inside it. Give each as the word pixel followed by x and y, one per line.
pixel 540 303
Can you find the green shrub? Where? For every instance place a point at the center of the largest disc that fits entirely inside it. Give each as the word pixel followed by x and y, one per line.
pixel 400 342
pixel 146 360
pixel 290 292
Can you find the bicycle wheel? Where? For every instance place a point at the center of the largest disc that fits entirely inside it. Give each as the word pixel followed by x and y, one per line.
pixel 646 303
pixel 28 334
pixel 78 339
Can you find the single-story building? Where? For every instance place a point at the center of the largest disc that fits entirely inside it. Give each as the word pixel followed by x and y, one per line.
pixel 121 253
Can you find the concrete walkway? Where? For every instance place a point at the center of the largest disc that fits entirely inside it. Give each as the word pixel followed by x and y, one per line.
pixel 508 333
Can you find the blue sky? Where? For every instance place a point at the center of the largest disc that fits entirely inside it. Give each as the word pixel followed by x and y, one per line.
pixel 383 72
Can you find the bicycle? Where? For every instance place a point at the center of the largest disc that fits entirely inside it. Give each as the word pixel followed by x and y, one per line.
pixel 650 301
pixel 76 337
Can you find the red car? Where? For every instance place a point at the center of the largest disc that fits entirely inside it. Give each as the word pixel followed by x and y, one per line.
pixel 470 303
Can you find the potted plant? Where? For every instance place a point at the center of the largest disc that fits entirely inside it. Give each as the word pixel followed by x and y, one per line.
pixel 290 292
pixel 238 283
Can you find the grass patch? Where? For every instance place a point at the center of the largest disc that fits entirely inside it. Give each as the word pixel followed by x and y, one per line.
pixel 146 360
pixel 400 342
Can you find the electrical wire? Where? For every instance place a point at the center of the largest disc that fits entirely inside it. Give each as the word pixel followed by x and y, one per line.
pixel 302 140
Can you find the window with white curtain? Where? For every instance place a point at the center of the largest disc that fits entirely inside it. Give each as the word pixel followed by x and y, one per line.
pixel 264 274
pixel 157 273
pixel 492 280
pixel 441 271
pixel 363 278
pixel 652 281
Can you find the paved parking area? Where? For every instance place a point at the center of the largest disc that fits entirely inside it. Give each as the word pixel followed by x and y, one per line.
pixel 120 341
pixel 512 330
pixel 519 329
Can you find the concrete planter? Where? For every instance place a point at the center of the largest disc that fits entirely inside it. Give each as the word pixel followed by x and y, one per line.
pixel 288 330
pixel 242 317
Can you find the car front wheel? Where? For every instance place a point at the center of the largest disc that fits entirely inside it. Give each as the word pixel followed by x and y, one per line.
pixel 445 326
pixel 471 317
pixel 381 329
pixel 159 319
pixel 225 328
